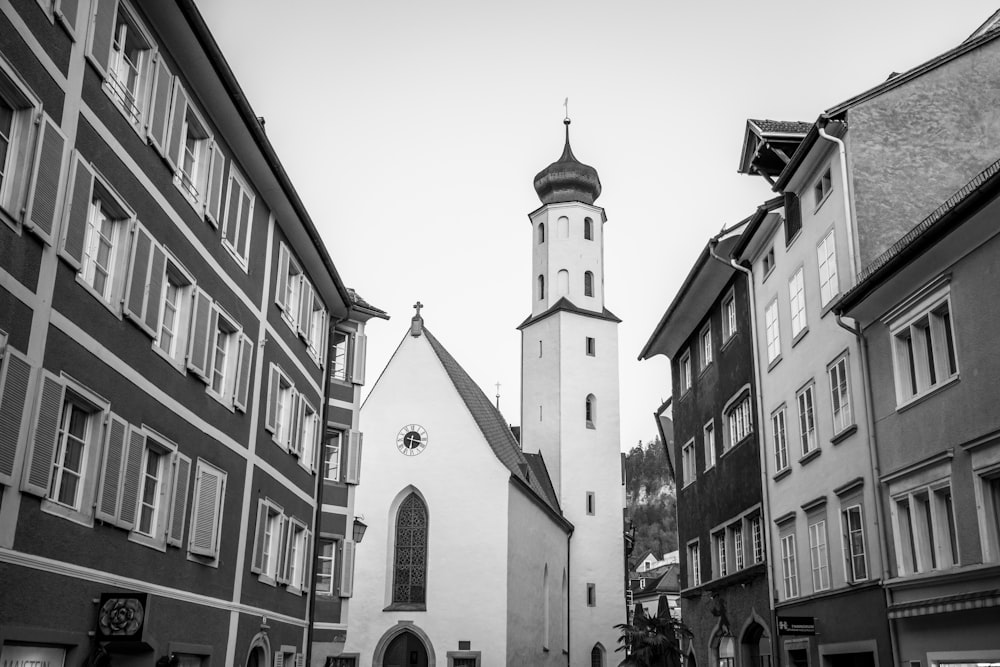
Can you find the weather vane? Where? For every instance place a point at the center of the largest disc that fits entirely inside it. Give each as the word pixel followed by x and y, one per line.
pixel 566 107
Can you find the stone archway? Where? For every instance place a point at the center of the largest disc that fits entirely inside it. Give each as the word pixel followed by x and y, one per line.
pixel 404 645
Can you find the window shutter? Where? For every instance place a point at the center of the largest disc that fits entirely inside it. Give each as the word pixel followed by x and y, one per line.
pixel 213 205
pixel 38 467
pixel 281 285
pixel 78 199
pixel 307 562
pixel 359 345
pixel 66 12
pixel 199 340
pixel 102 29
pixel 157 274
pixel 300 659
pixel 257 563
pixel 43 195
pixel 209 487
pixel 111 469
pixel 132 479
pixel 178 503
pixel 14 379
pixel 347 569
pixel 281 571
pixel 273 387
pixel 279 659
pixel 352 466
pixel 295 429
pixel 175 130
pixel 159 109
pixel 793 216
pixel 138 276
pixel 245 368
pixel 305 305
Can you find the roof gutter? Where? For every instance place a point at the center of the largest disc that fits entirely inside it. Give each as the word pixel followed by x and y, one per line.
pixel 232 86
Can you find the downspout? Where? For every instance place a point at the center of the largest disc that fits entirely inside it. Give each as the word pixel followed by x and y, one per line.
pixel 842 148
pixel 876 469
pixel 569 536
pixel 766 504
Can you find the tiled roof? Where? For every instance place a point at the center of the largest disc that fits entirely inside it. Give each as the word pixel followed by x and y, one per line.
pixel 781 126
pixel 492 424
pixel 541 472
pixel 359 302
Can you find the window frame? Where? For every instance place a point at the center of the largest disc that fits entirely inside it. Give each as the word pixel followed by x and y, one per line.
pixel 590 346
pixel 779 438
pixel 590 411
pixel 808 431
pixel 850 554
pixel 822 187
pixel 25 108
pixel 321 558
pixel 694 563
pixel 174 270
pixel 925 542
pixel 327 448
pixel 738 427
pixel 237 178
pixel 789 567
pixel 145 69
pixel 688 462
pixel 709 444
pixel 840 393
pixel 913 380
pixel 767 263
pixel 730 323
pixel 226 393
pixel 797 303
pixel 195 186
pixel 271 541
pixel 705 346
pixel 826 256
pixel 772 331
pixel 588 283
pixel 819 554
pixel 720 556
pixel 685 370
pixel 117 267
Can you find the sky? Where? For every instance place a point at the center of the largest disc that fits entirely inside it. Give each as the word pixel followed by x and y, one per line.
pixel 413 131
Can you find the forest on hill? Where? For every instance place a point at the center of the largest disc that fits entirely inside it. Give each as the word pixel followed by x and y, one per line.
pixel 651 501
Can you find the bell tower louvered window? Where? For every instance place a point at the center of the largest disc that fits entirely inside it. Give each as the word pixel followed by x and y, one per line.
pixel 410 562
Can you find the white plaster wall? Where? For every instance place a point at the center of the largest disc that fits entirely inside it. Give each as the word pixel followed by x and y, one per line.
pixel 466 490
pixel 540 389
pixel 575 254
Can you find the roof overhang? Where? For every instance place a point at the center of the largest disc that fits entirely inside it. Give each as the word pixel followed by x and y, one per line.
pixel 665 426
pixel 809 152
pixel 766 150
pixel 758 229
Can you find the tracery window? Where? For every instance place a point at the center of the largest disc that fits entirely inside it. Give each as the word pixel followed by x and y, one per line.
pixel 410 563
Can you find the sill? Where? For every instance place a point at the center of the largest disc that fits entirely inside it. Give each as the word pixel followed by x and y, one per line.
pixel 226 403
pixel 689 482
pixel 207 561
pixel 732 447
pixel 136 124
pixel 704 368
pixel 844 435
pixel 267 581
pixel 156 544
pixel 822 201
pixel 110 305
pixel 830 304
pixel 795 237
pixel 685 394
pixel 407 606
pixel 783 473
pixel 771 365
pixel 68 513
pixel 11 220
pixel 294 590
pixel 242 261
pixel 727 341
pixel 591 426
pixel 767 275
pixel 800 335
pixel 919 398
pixel 177 364
pixel 711 467
pixel 806 458
pixel 196 204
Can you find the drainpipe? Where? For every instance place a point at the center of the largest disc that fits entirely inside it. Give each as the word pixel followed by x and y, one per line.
pixel 842 148
pixel 765 505
pixel 876 469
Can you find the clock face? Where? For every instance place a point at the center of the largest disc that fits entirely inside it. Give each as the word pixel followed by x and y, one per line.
pixel 412 439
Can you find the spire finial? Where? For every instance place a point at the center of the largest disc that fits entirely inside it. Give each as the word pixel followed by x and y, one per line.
pixel 566 107
pixel 498 395
pixel 417 323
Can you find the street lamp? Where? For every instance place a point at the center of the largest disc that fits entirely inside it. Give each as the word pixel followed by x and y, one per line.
pixel 359 529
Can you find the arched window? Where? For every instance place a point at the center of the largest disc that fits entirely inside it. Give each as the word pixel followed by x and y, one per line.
pixel 597 656
pixel 727 654
pixel 409 581
pixel 541 232
pixel 563 227
pixel 588 229
pixel 541 287
pixel 588 283
pixel 562 282
pixel 591 409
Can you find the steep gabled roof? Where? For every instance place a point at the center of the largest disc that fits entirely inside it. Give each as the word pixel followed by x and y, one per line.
pixel 493 426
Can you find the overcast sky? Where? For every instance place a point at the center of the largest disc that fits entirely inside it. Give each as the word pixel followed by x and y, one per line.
pixel 413 130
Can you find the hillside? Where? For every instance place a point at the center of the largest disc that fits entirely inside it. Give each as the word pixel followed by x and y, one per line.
pixel 651 502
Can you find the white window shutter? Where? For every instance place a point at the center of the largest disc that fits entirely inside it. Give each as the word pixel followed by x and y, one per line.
pixel 359 346
pixel 175 130
pixel 347 569
pixel 67 11
pixel 279 659
pixel 307 563
pixel 43 194
pixel 300 659
pixel 138 276
pixel 257 562
pixel 154 289
pixel 113 463
pixel 241 390
pixel 305 305
pixel 352 471
pixel 281 283
pixel 281 571
pixel 178 503
pixel 14 379
pixel 48 412
pixel 78 200
pixel 273 387
pixel 159 108
pixel 102 30
pixel 132 479
pixel 295 430
pixel 199 340
pixel 209 489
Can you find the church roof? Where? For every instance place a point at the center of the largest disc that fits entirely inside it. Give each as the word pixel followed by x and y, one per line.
pixel 541 472
pixel 569 306
pixel 494 427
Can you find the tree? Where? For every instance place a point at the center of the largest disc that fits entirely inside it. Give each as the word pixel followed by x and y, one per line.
pixel 652 641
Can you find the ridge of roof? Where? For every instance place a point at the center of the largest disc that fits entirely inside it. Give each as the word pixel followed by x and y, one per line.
pixel 768 126
pixel 490 421
pixel 564 304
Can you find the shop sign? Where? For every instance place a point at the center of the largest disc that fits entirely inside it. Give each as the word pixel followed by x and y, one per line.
pixel 32 656
pixel 796 625
pixel 121 616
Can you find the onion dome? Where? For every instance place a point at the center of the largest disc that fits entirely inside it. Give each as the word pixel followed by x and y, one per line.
pixel 567 179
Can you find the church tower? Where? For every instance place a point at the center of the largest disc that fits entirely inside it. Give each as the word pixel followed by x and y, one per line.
pixel 569 396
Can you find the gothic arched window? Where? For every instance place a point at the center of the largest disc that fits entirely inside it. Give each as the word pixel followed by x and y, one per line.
pixel 541 287
pixel 541 232
pixel 409 582
pixel 591 408
pixel 597 656
pixel 588 229
pixel 588 284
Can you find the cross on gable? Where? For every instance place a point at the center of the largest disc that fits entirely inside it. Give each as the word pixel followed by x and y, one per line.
pixel 418 306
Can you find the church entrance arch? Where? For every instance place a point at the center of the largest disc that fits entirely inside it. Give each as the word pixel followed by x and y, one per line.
pixel 404 645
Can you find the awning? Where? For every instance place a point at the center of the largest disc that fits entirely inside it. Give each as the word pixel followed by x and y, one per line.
pixel 944 605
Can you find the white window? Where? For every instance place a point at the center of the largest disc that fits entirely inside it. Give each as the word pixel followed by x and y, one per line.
pixel 206 511
pixel 326 565
pixel 175 314
pixel 706 346
pixel 924 521
pixel 18 110
pixel 709 443
pixel 297 556
pixel 736 536
pixel 105 246
pixel 685 371
pixel 797 301
pixel 767 263
pixel 771 330
pixel 694 564
pixel 224 354
pixel 78 428
pixel 162 478
pixel 923 343
pixel 267 549
pixel 739 421
pixel 688 462
pixel 841 395
pixel 308 433
pixel 331 457
pixel 818 556
pixel 779 439
pixel 150 497
pixel 284 404
pixel 728 317
pixel 988 497
pixel 195 158
pixel 130 66
pixel 826 253
pixel 316 329
pixel 757 538
pixel 854 543
pixel 341 357
pixel 807 420
pixel 822 188
pixel 789 569
pixel 239 217
pixel 722 564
